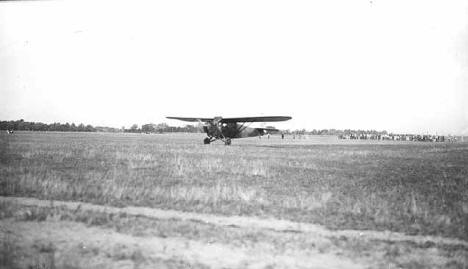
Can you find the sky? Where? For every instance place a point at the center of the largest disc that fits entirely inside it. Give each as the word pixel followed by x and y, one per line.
pixel 399 66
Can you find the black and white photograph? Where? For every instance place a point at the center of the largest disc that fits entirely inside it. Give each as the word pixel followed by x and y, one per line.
pixel 257 134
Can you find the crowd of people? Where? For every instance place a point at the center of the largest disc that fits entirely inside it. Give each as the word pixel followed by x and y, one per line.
pixel 397 137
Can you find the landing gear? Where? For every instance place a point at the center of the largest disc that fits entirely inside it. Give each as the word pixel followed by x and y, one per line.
pixel 208 140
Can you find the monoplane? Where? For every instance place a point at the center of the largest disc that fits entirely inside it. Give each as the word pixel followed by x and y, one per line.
pixel 225 129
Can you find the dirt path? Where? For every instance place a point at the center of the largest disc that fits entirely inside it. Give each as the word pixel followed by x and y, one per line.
pixel 107 244
pixel 238 221
pixel 153 238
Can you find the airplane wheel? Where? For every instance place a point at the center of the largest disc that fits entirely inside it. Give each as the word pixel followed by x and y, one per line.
pixel 206 141
pixel 227 142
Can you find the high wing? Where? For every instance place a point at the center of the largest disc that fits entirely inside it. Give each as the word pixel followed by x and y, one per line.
pixel 256 119
pixel 191 119
pixel 235 120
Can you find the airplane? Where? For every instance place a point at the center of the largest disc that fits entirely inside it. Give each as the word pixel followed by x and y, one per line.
pixel 225 129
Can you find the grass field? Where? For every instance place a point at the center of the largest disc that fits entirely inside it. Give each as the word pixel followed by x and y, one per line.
pixel 417 188
pixel 409 187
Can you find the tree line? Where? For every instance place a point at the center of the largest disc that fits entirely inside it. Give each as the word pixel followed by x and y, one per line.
pixel 161 128
pixel 21 125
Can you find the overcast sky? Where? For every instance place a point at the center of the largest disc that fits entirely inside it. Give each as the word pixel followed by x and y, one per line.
pixel 401 66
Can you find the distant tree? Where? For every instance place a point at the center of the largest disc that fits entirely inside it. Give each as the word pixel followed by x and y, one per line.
pixel 148 128
pixel 81 127
pixel 22 125
pixel 190 129
pixel 89 128
pixel 134 128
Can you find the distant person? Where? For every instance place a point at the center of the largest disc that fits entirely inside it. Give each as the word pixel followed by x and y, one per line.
pixel 268 136
pixel 282 135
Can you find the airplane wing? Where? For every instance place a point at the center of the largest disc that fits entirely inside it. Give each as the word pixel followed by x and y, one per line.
pixel 257 119
pixel 191 119
pixel 234 120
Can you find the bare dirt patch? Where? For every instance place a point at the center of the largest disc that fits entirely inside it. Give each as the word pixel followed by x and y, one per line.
pixel 238 221
pixel 83 235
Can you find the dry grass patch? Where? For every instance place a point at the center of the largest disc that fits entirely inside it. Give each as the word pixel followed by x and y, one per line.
pixel 410 187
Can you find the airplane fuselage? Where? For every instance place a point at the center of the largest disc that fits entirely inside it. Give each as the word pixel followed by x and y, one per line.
pixel 231 130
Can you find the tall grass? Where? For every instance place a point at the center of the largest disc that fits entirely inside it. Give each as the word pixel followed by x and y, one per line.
pixel 411 187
